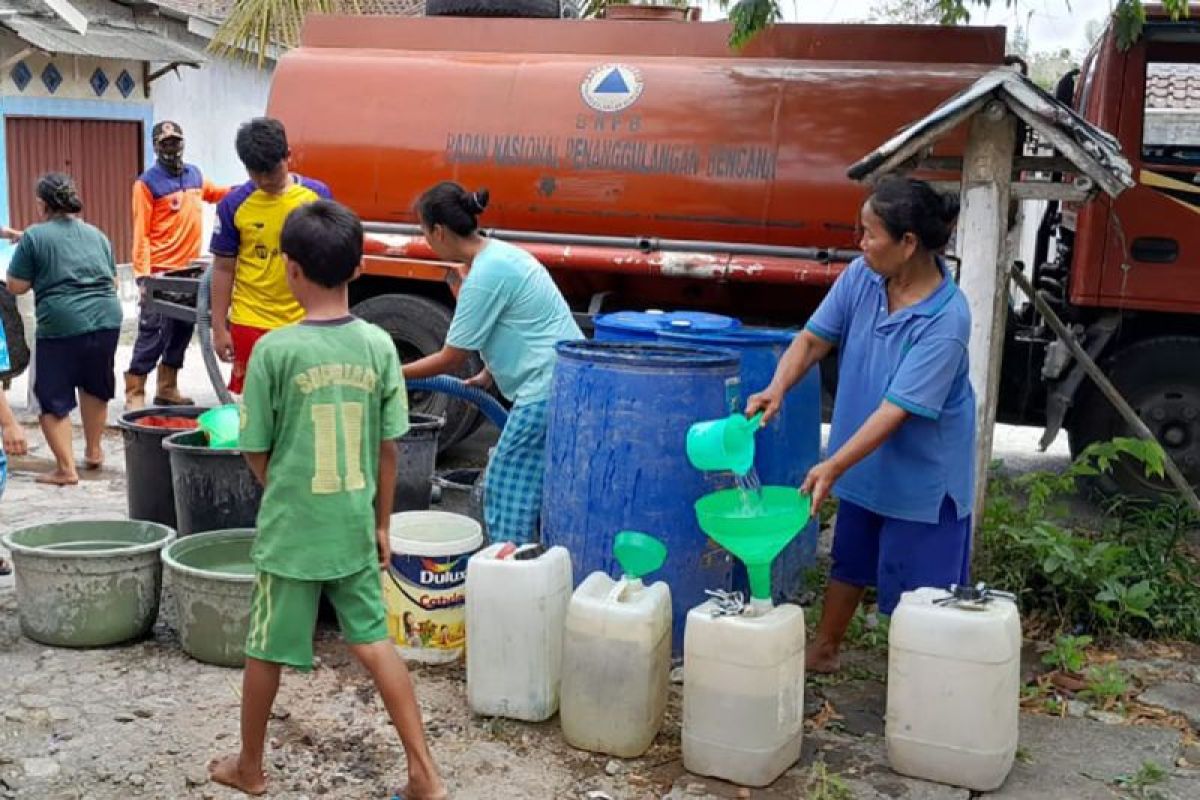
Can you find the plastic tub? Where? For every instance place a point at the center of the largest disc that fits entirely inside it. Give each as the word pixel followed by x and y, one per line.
pixel 214 488
pixel 425 584
pixel 148 491
pixel 88 583
pixel 212 580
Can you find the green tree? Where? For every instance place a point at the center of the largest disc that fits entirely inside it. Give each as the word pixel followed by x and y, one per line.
pixel 907 12
pixel 751 16
pixel 253 26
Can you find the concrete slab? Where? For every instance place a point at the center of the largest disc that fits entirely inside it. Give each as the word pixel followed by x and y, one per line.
pixel 1177 696
pixel 1078 759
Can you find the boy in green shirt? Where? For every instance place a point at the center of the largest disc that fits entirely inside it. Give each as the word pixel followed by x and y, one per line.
pixel 323 402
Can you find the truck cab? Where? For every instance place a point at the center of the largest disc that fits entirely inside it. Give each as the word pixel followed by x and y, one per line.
pixel 1124 273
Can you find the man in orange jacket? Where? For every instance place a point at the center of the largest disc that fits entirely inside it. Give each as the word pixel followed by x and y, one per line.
pixel 167 228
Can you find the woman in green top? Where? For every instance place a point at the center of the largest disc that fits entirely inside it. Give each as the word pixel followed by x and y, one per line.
pixel 70 268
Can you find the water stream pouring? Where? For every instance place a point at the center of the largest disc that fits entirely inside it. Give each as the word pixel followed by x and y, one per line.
pixel 754 529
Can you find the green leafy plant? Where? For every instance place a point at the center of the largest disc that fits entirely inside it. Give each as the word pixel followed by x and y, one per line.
pixel 1106 685
pixel 1068 653
pixel 868 631
pixel 825 785
pixel 1129 573
pixel 1139 784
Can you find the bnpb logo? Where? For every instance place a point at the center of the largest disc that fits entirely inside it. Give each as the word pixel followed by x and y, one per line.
pixel 612 87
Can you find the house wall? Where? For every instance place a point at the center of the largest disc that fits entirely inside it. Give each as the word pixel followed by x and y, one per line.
pixel 75 97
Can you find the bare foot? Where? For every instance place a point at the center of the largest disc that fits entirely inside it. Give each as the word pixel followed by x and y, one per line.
pixel 410 793
pixel 227 771
pixel 821 660
pixel 58 478
pixel 423 786
pixel 93 462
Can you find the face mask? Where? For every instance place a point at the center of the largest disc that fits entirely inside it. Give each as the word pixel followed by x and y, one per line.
pixel 171 162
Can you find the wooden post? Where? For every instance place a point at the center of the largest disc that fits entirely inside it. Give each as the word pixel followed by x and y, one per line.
pixel 983 237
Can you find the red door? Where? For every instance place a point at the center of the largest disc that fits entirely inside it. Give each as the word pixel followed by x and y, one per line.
pixel 103 156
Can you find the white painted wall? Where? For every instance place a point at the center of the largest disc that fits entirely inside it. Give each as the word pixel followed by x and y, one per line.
pixel 210 103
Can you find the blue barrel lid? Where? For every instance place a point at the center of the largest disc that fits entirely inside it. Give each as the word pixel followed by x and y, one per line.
pixel 648 355
pixel 737 337
pixel 654 321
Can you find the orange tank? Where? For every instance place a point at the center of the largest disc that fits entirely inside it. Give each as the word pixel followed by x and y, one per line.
pixel 607 128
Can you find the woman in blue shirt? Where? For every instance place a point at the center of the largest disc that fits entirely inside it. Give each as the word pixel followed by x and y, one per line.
pixel 510 311
pixel 903 435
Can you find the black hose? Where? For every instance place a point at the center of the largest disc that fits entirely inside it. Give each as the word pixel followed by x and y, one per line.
pixel 204 328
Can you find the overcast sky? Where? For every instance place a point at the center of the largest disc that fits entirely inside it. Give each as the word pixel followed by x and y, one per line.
pixel 1053 24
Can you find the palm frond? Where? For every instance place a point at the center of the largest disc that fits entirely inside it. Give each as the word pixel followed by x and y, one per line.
pixel 254 27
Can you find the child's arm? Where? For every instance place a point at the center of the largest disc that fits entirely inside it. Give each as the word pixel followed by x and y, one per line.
pixel 258 465
pixel 15 443
pixel 256 436
pixel 384 492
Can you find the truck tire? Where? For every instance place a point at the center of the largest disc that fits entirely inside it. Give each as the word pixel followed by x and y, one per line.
pixel 1160 379
pixel 541 9
pixel 418 327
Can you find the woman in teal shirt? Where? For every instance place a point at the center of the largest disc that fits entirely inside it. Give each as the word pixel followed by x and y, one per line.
pixel 69 266
pixel 512 314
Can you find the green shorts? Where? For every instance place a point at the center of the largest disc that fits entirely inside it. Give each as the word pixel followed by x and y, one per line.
pixel 284 614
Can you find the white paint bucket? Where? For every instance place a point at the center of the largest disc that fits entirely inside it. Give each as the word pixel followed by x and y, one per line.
pixel 425 583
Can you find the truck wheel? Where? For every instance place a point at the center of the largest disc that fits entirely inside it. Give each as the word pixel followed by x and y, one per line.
pixel 542 9
pixel 1161 381
pixel 418 327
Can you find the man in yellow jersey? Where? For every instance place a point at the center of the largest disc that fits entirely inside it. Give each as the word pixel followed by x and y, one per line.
pixel 250 294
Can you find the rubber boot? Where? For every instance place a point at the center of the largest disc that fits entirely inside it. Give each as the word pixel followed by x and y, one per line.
pixel 135 392
pixel 166 391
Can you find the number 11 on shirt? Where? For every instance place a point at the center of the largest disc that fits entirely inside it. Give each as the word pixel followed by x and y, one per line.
pixel 326 478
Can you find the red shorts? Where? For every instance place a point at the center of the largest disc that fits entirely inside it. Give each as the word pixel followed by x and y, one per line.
pixel 244 338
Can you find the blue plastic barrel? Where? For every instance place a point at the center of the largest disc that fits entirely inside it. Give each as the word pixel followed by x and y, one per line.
pixel 644 326
pixel 618 420
pixel 787 448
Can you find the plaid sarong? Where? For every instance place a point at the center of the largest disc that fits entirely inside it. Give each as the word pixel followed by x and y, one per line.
pixel 512 499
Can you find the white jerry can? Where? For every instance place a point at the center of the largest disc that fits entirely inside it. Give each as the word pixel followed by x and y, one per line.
pixel 616 665
pixel 954 682
pixel 743 693
pixel 516 609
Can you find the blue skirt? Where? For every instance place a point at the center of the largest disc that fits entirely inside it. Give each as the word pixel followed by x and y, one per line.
pixel 512 494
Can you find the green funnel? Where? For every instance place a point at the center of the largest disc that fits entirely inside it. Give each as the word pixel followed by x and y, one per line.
pixel 755 530
pixel 638 554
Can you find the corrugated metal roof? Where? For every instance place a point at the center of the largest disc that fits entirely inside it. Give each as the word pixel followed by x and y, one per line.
pixel 1096 153
pixel 219 9
pixel 101 41
pixel 1173 86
